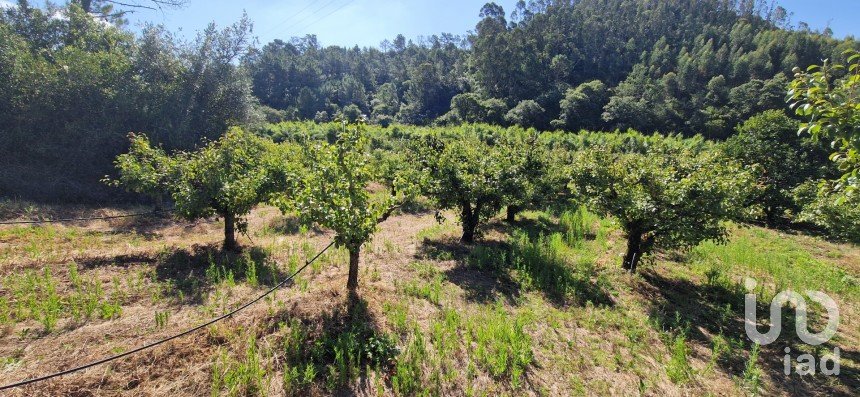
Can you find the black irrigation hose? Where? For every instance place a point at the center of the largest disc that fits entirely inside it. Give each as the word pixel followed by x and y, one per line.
pixel 153 344
pixel 86 218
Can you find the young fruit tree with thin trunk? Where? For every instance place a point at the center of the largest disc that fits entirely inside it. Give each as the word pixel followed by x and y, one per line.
pixel 333 192
pixel 461 173
pixel 227 177
pixel 667 196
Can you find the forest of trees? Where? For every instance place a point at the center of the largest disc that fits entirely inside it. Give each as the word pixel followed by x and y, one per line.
pixel 681 66
pixel 74 83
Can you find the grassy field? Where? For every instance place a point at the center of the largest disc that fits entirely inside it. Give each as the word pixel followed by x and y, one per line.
pixel 536 308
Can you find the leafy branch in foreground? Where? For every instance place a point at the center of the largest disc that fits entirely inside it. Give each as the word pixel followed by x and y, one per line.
pixel 831 104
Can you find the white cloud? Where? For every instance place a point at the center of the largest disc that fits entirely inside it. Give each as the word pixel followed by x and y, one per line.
pixel 7 4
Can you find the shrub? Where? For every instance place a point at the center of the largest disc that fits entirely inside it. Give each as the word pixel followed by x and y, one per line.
pixel 837 214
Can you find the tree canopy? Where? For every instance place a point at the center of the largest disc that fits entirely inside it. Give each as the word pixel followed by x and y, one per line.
pixel 670 194
pixel 227 177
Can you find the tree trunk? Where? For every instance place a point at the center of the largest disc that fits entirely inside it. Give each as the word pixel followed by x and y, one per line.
pixel 352 280
pixel 634 249
pixel 470 222
pixel 468 232
pixel 230 232
pixel 159 202
pixel 513 210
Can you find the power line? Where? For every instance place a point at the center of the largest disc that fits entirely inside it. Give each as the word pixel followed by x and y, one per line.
pixel 181 334
pixel 84 218
pixel 289 18
pixel 309 16
pixel 298 30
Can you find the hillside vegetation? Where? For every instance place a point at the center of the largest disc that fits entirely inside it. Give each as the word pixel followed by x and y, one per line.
pixel 73 87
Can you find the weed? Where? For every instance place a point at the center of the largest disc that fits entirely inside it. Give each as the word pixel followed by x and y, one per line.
pixel 679 369
pixel 406 379
pixel 432 290
pixel 110 310
pixel 752 372
pixel 161 319
pixel 545 263
pixel 237 377
pixel 50 305
pixel 341 352
pixel 426 270
pixel 396 313
pixel 436 231
pixel 502 346
pixel 250 270
pixel 5 311
pixel 576 225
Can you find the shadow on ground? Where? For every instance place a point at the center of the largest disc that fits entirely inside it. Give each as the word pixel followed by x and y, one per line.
pixel 489 270
pixel 339 338
pixel 191 272
pixel 709 310
pixel 122 260
pixel 480 284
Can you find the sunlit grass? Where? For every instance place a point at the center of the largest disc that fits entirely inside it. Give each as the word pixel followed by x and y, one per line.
pixel 776 258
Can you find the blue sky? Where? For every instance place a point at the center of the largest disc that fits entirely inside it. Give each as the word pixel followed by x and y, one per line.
pixel 340 22
pixel 368 22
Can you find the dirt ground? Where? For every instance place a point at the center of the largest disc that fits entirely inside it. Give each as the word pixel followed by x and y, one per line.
pixel 614 337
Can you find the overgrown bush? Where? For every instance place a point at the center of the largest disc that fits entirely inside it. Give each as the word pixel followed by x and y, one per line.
pixel 782 160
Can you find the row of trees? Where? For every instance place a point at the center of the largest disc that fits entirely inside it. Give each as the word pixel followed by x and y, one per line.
pixel 324 183
pixel 666 191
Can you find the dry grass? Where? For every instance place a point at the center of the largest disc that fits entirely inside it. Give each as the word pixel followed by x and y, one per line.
pixel 515 316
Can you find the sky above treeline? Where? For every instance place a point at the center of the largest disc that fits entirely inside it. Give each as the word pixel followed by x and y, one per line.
pixel 369 22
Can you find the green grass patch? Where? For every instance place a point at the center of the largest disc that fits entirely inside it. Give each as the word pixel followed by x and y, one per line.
pixel 772 257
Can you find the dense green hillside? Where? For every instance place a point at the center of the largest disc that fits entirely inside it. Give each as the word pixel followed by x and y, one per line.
pixel 72 87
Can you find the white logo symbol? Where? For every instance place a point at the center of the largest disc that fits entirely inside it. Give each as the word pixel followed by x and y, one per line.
pixel 800 323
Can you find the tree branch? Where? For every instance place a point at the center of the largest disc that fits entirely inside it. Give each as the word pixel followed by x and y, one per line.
pixel 387 213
